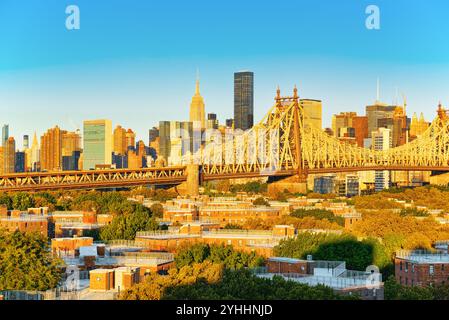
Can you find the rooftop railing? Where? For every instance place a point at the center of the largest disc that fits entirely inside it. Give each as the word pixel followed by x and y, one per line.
pixel 423 256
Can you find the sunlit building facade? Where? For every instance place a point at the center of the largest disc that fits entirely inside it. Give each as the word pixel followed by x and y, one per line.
pixel 97 143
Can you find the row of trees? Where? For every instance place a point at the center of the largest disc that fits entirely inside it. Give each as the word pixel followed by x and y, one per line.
pixel 212 281
pixel 395 291
pixel 429 196
pixel 324 246
pixel 221 254
pixel 320 214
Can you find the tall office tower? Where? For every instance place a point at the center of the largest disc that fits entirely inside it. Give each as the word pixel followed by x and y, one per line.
pixel 164 139
pixel 5 134
pixel 51 150
pixel 120 143
pixel 26 141
pixel 154 142
pixel 141 149
pixel 9 156
pixel 2 159
pixel 130 139
pixel 376 112
pixel 360 125
pixel 97 143
pixel 34 159
pixel 212 122
pixel 71 142
pixel 243 100
pixel 381 140
pixel 19 164
pixel 153 134
pixel 312 112
pixel 197 109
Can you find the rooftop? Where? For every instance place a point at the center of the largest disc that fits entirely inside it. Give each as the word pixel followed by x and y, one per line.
pixel 423 256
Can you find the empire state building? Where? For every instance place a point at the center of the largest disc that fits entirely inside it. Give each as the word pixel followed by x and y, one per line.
pixel 197 113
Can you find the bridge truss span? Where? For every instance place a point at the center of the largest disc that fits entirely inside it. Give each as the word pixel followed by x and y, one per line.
pixel 92 179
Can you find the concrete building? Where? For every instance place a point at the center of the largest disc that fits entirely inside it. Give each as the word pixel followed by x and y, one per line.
pixel 97 143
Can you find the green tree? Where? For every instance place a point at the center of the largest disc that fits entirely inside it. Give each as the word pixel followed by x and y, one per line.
pixel 261 202
pixel 320 214
pixel 22 201
pixel 5 200
pixel 126 225
pixel 26 262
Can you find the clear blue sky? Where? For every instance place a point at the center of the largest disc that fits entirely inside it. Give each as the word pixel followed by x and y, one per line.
pixel 135 61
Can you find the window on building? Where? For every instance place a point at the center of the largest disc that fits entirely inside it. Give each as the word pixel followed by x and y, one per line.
pixel 413 268
pixel 431 269
pixel 442 267
pixel 406 267
pixel 400 266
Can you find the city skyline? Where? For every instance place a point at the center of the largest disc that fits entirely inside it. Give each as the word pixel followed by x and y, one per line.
pixel 108 68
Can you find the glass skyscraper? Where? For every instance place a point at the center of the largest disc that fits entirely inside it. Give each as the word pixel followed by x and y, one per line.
pixel 243 100
pixel 5 134
pixel 97 140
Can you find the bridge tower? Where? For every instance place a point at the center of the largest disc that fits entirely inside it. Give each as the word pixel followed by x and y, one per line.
pixel 290 107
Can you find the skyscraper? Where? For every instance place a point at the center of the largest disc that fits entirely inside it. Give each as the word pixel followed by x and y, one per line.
pixel 26 141
pixel 243 100
pixel 312 112
pixel 97 143
pixel 120 145
pixel 130 139
pixel 382 140
pixel 197 109
pixel 34 159
pixel 164 139
pixel 376 112
pixel 51 150
pixel 9 155
pixel 71 142
pixel 5 134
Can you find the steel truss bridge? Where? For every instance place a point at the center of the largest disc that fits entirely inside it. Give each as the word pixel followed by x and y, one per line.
pixel 281 144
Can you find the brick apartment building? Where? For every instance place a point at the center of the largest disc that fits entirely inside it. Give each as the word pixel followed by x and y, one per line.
pixel 16 220
pixel 421 268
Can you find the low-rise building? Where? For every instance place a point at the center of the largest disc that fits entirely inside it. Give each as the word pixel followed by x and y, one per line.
pixel 367 284
pixel 421 268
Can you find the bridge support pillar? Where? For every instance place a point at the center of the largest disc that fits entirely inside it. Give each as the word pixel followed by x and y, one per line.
pixel 293 184
pixel 193 179
pixel 191 187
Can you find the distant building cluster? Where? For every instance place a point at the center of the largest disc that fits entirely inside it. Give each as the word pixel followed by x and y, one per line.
pixel 98 145
pixel 382 127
